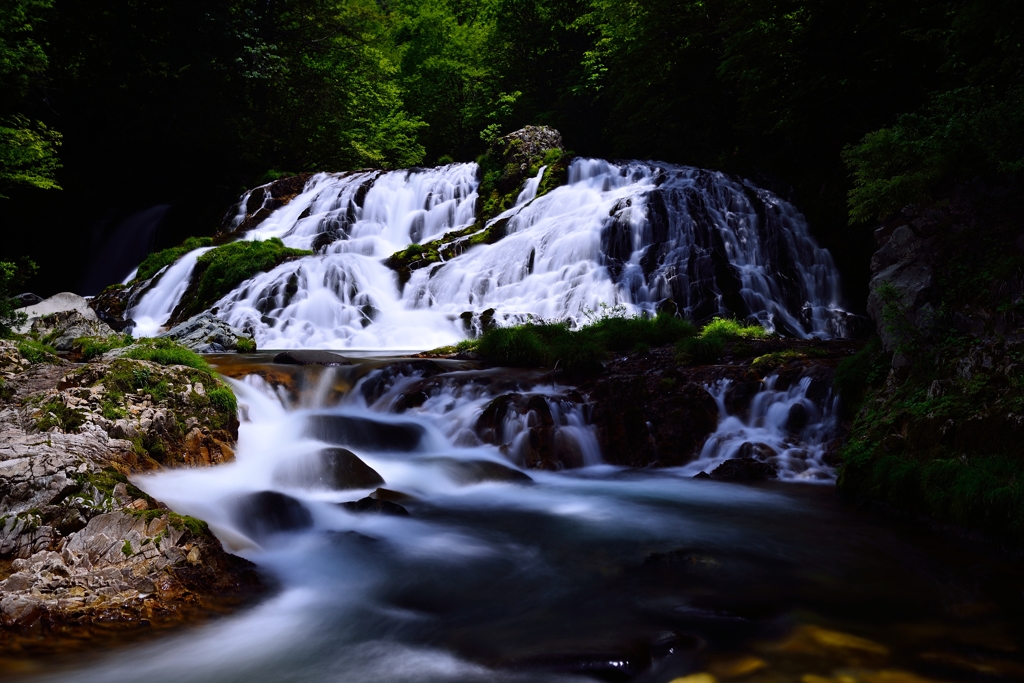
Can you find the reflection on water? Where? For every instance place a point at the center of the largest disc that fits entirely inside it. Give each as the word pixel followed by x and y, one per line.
pixel 597 573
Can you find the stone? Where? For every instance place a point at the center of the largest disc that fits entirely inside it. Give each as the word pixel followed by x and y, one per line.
pixel 311 357
pixel 904 267
pixel 365 433
pixel 467 472
pixel 206 333
pixel 797 418
pixel 744 469
pixel 338 469
pixel 375 506
pixel 63 327
pixel 265 513
pixel 58 303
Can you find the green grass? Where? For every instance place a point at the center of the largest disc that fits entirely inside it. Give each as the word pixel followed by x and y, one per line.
pixel 91 347
pixel 223 399
pixel 245 345
pixel 37 352
pixel 222 269
pixel 167 352
pixel 152 264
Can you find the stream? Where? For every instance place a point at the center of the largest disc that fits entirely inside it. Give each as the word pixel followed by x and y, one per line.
pixel 593 573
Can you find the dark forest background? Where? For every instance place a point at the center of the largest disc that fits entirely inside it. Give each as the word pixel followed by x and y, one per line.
pixel 127 125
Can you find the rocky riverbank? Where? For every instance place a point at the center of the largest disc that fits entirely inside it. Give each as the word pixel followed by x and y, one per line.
pixel 84 554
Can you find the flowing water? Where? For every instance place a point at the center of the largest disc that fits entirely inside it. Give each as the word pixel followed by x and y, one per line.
pixel 627 235
pixel 595 573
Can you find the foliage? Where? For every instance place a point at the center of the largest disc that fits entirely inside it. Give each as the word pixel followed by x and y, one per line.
pixel 36 351
pixel 856 374
pixel 152 264
pixel 220 270
pixel 28 154
pixel 223 400
pixel 11 276
pixel 57 414
pixel 90 347
pixel 166 352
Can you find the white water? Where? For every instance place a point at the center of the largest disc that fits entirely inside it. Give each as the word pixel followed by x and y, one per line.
pixel 628 235
pixel 157 304
pixel 797 451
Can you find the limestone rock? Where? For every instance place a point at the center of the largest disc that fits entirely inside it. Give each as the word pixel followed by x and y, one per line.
pixel 206 333
pixel 63 327
pixel 58 303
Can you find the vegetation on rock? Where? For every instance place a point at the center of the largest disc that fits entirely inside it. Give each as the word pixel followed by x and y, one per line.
pixel 159 259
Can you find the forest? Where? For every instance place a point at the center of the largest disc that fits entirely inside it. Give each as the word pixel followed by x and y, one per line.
pixel 851 110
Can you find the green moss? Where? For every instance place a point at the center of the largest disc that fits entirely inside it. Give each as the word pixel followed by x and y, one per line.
pixel 223 400
pixel 220 270
pixel 777 359
pixel 127 548
pixel 197 527
pixel 152 264
pixel 245 345
pixel 112 410
pixel 57 414
pixel 726 329
pixel 90 347
pixel 37 352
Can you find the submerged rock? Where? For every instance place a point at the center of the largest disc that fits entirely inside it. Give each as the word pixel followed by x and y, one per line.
pixel 744 469
pixel 311 357
pixel 375 506
pixel 365 433
pixel 332 468
pixel 479 471
pixel 266 513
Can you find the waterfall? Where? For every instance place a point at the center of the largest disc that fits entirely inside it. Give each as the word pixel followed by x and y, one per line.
pixel 629 234
pixel 158 303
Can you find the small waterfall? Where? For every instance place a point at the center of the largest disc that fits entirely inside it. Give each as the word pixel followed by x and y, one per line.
pixel 157 304
pixel 785 428
pixel 630 234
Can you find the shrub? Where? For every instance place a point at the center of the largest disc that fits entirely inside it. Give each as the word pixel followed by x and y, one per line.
pixel 517 347
pixel 152 264
pixel 726 329
pixel 245 345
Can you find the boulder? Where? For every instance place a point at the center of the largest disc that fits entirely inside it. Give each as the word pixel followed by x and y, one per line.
pixel 331 468
pixel 479 471
pixel 263 514
pixel 62 328
pixel 365 433
pixel 902 277
pixel 206 333
pixel 375 506
pixel 744 469
pixel 58 303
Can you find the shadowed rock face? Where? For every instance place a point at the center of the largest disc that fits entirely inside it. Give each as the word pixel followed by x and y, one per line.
pixel 375 506
pixel 357 432
pixel 331 468
pixel 744 469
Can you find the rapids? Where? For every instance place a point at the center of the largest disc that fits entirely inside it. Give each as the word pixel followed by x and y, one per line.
pixel 597 573
pixel 627 235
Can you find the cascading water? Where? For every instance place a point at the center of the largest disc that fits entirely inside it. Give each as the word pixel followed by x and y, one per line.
pixel 784 427
pixel 629 235
pixel 157 304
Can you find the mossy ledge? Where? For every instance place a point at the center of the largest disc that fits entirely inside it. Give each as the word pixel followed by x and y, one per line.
pixel 504 170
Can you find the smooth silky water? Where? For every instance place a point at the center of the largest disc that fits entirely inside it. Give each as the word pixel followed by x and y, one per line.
pixel 598 573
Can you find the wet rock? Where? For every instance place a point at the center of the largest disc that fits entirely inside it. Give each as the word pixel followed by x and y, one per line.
pixel 266 513
pixel 381 380
pixel 756 450
pixel 479 471
pixel 375 506
pixel 702 475
pixel 206 333
pixel 338 469
pixel 392 496
pixel 365 433
pixel 259 203
pixel 311 357
pixel 744 469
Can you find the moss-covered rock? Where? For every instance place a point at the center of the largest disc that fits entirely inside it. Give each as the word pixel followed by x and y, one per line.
pixel 220 270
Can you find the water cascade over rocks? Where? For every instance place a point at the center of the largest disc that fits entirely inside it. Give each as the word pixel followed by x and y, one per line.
pixel 631 234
